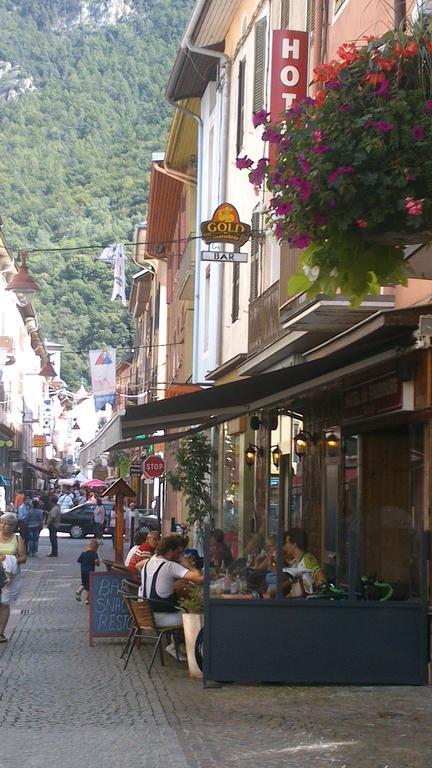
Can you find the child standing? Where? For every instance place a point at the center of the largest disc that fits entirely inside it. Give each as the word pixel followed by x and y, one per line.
pixel 88 560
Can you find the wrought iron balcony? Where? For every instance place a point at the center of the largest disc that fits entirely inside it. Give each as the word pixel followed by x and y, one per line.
pixel 264 323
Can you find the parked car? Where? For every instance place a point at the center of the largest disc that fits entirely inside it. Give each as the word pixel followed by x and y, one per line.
pixel 78 521
pixel 148 521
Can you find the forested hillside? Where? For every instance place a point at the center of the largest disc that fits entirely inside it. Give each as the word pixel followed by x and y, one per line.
pixel 75 152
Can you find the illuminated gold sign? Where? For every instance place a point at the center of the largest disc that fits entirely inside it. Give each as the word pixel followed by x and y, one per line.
pixel 225 227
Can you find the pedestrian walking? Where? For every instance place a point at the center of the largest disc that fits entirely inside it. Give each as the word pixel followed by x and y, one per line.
pixel 23 513
pixel 34 526
pixel 53 522
pixel 11 546
pixel 65 501
pixel 99 519
pixel 88 560
pixel 112 524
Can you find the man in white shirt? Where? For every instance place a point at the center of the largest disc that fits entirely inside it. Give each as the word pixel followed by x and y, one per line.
pixel 159 575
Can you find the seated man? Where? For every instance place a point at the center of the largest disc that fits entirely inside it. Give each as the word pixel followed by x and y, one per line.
pixel 145 547
pixel 159 576
pixel 297 557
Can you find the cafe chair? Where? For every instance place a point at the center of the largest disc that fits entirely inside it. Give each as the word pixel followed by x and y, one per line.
pixel 144 626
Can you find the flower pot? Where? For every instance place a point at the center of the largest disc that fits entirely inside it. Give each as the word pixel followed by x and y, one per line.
pixel 192 623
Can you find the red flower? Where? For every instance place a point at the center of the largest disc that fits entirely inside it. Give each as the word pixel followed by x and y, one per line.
pixel 410 50
pixel 414 207
pixel 361 223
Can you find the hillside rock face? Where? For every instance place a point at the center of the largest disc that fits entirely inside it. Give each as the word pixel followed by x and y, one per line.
pixel 92 13
pixel 13 82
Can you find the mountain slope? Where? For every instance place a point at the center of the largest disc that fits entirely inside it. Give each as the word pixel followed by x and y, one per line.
pixel 75 152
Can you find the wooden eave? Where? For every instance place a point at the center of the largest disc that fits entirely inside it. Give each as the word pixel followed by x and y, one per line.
pixel 163 208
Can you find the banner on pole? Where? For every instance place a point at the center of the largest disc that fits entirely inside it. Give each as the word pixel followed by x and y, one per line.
pixel 103 376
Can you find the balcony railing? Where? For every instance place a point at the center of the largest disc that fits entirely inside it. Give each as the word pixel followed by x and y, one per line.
pixel 264 323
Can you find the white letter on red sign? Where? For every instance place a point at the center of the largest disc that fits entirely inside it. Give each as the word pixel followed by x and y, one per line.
pixel 290 76
pixel 290 47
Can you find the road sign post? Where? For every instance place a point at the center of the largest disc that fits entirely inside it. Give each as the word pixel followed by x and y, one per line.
pixel 153 466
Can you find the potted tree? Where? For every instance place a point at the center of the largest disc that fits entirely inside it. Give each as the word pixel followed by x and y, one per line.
pixel 351 178
pixel 192 477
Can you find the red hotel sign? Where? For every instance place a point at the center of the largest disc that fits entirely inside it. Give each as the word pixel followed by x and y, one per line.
pixel 289 80
pixel 373 397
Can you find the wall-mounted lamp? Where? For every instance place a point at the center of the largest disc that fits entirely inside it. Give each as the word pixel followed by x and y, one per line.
pixel 79 441
pixel 75 425
pixel 276 454
pixel 332 442
pixel 255 422
pixel 251 452
pixel 273 421
pixel 22 283
pixel 302 442
pixel 48 370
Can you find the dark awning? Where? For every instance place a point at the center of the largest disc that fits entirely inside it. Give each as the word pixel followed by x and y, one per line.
pixel 228 401
pixel 377 339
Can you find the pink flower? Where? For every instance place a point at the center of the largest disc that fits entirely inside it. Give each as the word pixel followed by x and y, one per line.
pixel 269 134
pixel 301 241
pixel 304 187
pixel 417 132
pixel 260 118
pixel 383 126
pixel 283 209
pixel 428 105
pixel 383 88
pixel 257 174
pixel 303 163
pixel 244 162
pixel 279 230
pixel 361 223
pixel 414 207
pixel 320 149
pixel 343 169
pixel 318 136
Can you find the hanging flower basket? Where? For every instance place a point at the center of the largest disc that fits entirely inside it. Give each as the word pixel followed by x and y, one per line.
pixel 351 182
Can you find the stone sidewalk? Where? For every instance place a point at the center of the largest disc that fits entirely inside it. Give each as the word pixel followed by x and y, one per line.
pixel 62 702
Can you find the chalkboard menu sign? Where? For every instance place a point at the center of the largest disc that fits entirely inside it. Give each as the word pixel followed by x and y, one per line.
pixel 108 615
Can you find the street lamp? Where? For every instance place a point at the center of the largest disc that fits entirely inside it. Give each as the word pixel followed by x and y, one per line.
pixel 22 283
pixel 48 370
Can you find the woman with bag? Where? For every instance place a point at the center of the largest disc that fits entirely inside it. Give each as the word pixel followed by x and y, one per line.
pixel 99 519
pixel 11 546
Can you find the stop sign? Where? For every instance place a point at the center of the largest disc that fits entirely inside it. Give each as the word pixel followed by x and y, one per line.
pixel 153 466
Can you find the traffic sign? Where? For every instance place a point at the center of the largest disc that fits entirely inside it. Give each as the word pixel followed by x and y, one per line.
pixel 153 466
pixel 224 256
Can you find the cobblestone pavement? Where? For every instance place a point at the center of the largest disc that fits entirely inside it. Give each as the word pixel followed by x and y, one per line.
pixel 64 703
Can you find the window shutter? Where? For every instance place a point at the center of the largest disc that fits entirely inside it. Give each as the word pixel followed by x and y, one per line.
pixel 310 15
pixel 235 292
pixel 259 69
pixel 285 14
pixel 255 256
pixel 240 105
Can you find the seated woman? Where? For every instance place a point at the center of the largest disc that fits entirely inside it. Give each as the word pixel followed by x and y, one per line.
pixel 306 571
pixel 220 553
